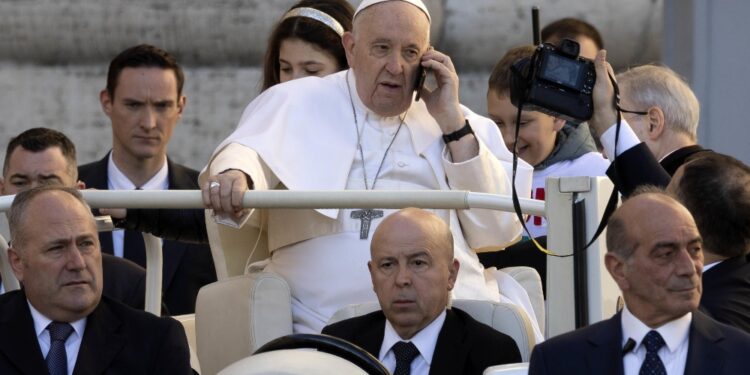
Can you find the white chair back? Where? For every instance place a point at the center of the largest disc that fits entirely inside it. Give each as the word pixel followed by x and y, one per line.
pixel 509 369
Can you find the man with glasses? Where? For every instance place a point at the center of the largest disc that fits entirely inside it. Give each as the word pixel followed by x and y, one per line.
pixel 660 115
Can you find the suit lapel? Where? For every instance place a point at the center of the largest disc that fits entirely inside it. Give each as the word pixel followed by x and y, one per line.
pixel 450 351
pixel 102 341
pixel 371 337
pixel 604 354
pixel 19 343
pixel 704 355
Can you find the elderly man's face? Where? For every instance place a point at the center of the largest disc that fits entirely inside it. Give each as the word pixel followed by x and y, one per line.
pixel 412 274
pixel 384 51
pixel 59 260
pixel 661 280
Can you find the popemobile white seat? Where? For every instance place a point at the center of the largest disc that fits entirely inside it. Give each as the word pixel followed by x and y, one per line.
pixel 241 312
pixel 509 369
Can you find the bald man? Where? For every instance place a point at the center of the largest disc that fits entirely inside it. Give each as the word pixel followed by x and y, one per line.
pixel 413 271
pixel 655 254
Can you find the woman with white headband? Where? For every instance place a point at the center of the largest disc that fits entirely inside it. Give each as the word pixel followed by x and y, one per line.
pixel 307 41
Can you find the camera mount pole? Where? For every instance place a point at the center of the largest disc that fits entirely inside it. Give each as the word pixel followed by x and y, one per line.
pixel 535 25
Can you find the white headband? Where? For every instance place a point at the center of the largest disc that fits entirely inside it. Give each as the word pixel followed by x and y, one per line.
pixel 316 15
pixel 417 3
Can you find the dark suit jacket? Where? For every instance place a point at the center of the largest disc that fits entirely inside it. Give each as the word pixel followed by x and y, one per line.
pixel 638 166
pixel 726 292
pixel 464 346
pixel 123 281
pixel 187 267
pixel 714 349
pixel 117 340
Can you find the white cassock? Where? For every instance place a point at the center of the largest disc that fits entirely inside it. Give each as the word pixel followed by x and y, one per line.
pixel 301 135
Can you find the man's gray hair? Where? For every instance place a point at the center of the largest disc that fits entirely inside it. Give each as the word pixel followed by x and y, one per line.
pixel 653 85
pixel 17 213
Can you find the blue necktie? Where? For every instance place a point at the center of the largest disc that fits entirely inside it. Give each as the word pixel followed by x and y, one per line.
pixel 57 358
pixel 405 352
pixel 653 365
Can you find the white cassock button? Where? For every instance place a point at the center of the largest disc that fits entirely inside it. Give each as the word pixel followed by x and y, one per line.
pixel 401 164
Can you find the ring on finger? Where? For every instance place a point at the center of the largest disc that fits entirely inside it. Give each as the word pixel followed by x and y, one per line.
pixel 214 185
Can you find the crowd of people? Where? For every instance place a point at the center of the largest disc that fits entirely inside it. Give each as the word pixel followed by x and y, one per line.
pixel 339 109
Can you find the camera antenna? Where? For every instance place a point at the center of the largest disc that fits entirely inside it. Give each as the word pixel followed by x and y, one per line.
pixel 535 25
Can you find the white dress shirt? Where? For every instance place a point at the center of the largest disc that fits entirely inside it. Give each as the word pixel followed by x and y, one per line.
pixel 116 180
pixel 72 344
pixel 673 354
pixel 425 341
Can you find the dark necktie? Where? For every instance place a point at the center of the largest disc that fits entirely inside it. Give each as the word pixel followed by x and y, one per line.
pixel 57 358
pixel 405 352
pixel 653 365
pixel 133 248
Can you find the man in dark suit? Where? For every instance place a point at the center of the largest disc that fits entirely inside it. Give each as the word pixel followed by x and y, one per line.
pixel 59 323
pixel 659 129
pixel 655 256
pixel 144 102
pixel 41 156
pixel 413 272
pixel 715 189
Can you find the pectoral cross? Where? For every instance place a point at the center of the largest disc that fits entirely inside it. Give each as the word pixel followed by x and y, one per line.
pixel 366 216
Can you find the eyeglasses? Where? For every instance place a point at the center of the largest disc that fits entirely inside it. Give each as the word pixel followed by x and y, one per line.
pixel 641 113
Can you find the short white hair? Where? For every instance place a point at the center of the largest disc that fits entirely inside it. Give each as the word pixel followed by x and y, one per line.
pixel 653 85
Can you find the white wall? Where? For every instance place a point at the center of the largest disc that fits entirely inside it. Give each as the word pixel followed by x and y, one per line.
pixel 54 54
pixel 707 42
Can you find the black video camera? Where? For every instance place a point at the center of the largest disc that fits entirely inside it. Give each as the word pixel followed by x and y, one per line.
pixel 556 81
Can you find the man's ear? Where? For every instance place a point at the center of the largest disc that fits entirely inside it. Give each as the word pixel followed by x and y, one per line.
pixel 453 273
pixel 616 267
pixel 372 274
pixel 181 104
pixel 16 264
pixel 558 124
pixel 106 102
pixel 656 124
pixel 348 41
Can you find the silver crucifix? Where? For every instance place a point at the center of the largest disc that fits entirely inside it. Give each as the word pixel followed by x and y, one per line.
pixel 366 216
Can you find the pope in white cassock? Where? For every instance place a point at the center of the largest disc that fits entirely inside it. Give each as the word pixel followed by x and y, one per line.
pixel 362 129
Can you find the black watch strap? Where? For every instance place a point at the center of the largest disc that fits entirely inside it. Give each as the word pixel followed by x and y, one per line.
pixel 458 134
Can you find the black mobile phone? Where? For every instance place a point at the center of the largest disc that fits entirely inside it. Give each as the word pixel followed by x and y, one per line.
pixel 419 81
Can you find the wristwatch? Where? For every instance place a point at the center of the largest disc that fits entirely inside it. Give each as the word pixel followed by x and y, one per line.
pixel 458 134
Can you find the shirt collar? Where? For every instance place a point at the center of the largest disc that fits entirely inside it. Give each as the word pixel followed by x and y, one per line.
pixel 674 332
pixel 118 181
pixel 41 322
pixel 707 267
pixel 425 340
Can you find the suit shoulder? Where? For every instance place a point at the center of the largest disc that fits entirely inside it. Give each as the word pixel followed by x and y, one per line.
pixel 480 332
pixel 181 176
pixel 571 339
pixel 94 167
pixel 139 319
pixel 347 327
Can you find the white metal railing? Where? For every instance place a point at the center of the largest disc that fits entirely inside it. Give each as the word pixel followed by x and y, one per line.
pixel 274 199
pixel 308 199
